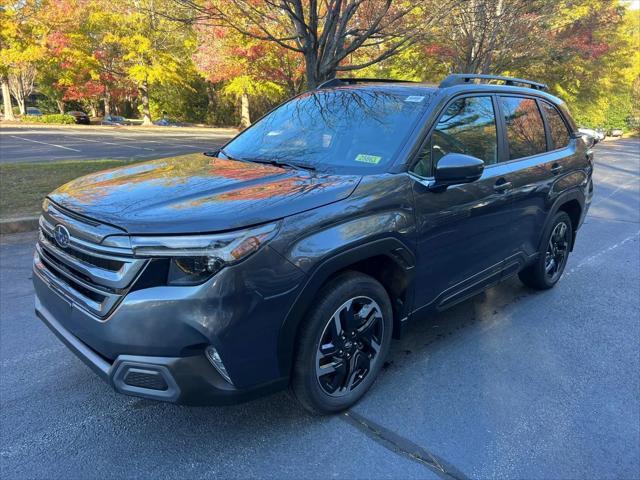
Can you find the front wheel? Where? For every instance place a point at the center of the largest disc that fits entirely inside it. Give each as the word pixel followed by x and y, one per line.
pixel 553 255
pixel 343 344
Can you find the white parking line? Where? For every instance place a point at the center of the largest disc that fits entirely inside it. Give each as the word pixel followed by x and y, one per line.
pixel 45 143
pixel 112 143
pixel 595 256
pixel 166 142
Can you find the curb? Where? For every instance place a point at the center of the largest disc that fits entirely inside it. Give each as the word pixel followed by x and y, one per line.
pixel 18 225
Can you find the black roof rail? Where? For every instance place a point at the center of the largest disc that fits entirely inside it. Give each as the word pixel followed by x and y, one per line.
pixel 336 82
pixel 461 78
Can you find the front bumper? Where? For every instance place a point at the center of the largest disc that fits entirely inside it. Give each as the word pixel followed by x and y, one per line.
pixel 152 343
pixel 185 380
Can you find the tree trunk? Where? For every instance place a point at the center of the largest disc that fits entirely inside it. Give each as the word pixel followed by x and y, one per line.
pixel 245 118
pixel 17 89
pixel 60 105
pixel 6 100
pixel 144 96
pixel 18 96
pixel 311 69
pixel 211 102
pixel 107 101
pixel 22 105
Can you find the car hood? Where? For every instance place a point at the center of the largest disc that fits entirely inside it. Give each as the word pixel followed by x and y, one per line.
pixel 195 193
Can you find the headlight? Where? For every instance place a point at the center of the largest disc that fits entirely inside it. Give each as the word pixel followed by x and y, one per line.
pixel 195 258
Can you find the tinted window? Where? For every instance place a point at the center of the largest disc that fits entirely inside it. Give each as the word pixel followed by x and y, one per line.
pixel 557 127
pixel 525 130
pixel 467 126
pixel 346 129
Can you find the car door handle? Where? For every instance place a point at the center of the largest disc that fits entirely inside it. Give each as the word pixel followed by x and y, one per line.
pixel 556 168
pixel 502 186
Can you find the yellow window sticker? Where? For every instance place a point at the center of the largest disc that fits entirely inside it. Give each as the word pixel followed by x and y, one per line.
pixel 361 157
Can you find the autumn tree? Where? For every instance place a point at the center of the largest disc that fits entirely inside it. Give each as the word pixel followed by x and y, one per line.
pixel 154 50
pixel 490 36
pixel 326 34
pixel 248 67
pixel 21 51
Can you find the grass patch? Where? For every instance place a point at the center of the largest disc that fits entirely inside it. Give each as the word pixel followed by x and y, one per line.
pixel 24 185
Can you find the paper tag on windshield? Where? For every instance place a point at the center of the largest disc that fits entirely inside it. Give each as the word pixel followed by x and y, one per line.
pixel 414 98
pixel 374 159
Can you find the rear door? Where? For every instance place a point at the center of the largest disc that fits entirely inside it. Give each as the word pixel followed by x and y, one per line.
pixel 537 146
pixel 462 232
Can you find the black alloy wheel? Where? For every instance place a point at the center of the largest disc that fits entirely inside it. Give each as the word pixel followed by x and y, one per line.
pixel 557 251
pixel 349 344
pixel 342 344
pixel 552 257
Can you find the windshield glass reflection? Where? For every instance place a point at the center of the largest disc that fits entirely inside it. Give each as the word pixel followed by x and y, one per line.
pixel 343 129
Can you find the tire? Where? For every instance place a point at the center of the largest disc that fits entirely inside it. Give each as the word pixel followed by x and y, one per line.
pixel 333 369
pixel 559 236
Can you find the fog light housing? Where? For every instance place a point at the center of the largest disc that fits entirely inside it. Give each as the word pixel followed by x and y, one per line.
pixel 214 357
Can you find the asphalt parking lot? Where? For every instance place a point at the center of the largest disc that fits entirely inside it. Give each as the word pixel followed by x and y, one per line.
pixel 43 144
pixel 512 383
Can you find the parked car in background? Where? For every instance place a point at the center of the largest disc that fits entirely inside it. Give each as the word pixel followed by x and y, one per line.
pixel 593 134
pixel 114 120
pixel 294 255
pixel 80 117
pixel 34 111
pixel 616 132
pixel 168 122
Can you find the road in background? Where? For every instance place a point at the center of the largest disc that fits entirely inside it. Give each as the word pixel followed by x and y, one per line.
pixel 512 383
pixel 36 144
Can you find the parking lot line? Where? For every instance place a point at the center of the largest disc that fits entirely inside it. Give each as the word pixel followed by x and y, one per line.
pixel 113 143
pixel 45 143
pixel 166 142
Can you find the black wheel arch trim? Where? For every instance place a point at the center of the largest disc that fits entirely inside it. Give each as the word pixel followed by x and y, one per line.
pixel 575 193
pixel 391 247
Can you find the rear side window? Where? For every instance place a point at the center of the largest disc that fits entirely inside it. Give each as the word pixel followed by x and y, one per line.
pixel 557 127
pixel 467 126
pixel 525 130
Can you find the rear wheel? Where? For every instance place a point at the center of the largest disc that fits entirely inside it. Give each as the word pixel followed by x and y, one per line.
pixel 342 344
pixel 553 255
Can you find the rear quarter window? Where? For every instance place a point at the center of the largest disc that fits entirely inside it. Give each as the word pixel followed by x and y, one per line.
pixel 557 127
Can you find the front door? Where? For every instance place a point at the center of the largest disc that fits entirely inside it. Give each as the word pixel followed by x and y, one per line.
pixel 464 232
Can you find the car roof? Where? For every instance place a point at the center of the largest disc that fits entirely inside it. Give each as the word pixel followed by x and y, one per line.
pixel 422 88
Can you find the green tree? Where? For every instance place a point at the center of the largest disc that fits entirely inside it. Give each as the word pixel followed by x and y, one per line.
pixel 21 51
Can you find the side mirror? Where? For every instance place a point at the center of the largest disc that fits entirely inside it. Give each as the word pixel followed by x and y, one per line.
pixel 455 168
pixel 213 153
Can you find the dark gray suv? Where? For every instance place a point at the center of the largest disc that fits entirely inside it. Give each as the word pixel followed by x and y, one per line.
pixel 292 256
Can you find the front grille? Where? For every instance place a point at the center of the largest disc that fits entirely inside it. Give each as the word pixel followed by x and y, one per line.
pixel 105 263
pixel 93 276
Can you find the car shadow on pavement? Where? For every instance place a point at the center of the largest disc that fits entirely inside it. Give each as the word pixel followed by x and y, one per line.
pixel 420 337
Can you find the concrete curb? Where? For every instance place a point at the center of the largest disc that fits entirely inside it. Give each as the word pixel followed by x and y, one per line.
pixel 18 225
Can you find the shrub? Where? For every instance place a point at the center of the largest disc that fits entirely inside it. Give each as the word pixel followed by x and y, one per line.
pixel 55 118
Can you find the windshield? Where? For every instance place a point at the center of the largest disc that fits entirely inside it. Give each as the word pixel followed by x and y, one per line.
pixel 350 130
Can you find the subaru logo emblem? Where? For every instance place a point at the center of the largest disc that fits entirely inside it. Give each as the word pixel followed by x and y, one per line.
pixel 61 236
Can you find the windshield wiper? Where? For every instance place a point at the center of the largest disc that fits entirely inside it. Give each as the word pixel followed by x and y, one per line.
pixel 229 157
pixel 280 163
pixel 276 163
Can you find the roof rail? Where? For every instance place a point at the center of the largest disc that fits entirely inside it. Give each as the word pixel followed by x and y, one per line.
pixel 336 82
pixel 461 78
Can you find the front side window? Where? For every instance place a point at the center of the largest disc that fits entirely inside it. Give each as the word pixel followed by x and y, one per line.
pixel 557 127
pixel 345 130
pixel 525 130
pixel 467 126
